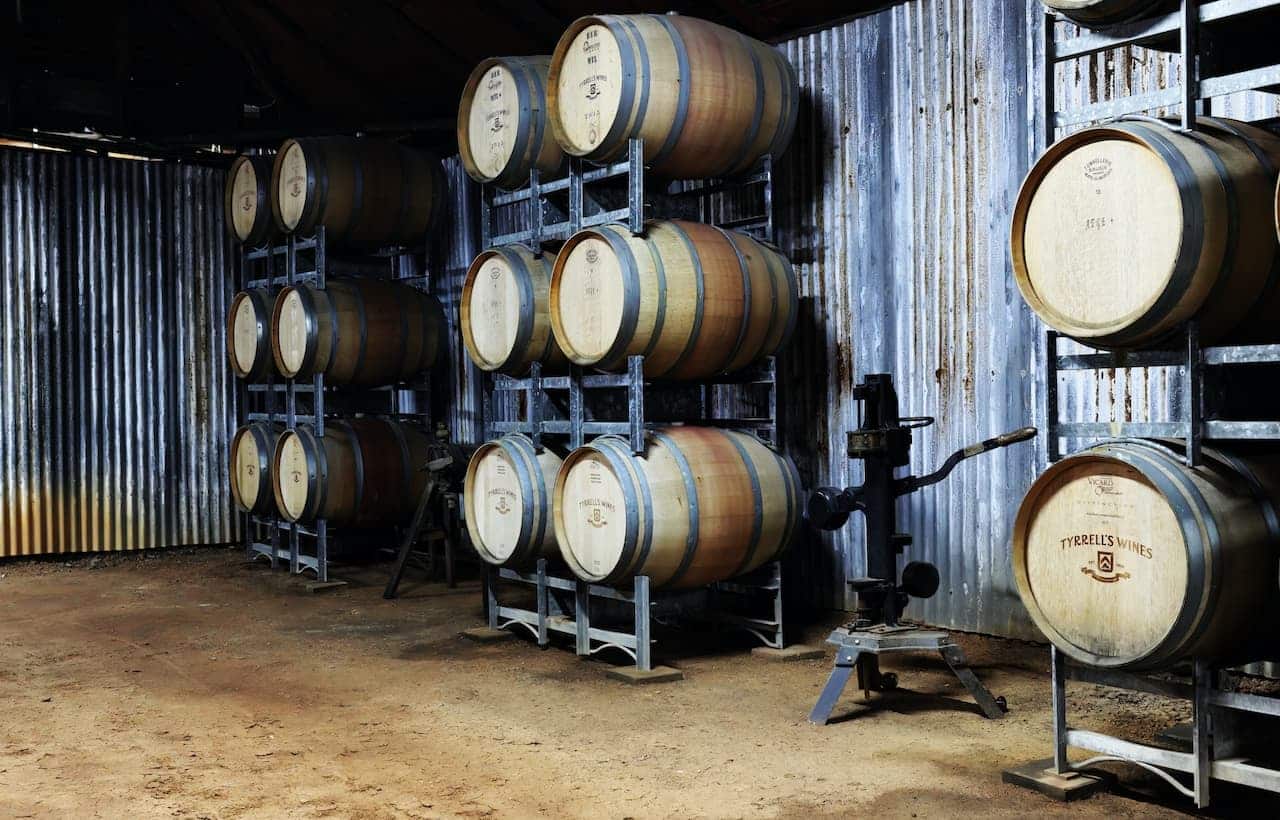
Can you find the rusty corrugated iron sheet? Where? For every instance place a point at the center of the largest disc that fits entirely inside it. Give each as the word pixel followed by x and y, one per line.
pixel 116 403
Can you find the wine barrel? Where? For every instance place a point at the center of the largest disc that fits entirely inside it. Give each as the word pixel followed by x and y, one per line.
pixel 706 100
pixel 361 332
pixel 1127 558
pixel 693 299
pixel 251 450
pixel 247 200
pixel 507 501
pixel 1123 232
pixel 502 122
pixel 362 472
pixel 503 311
pixel 365 192
pixel 701 505
pixel 1094 13
pixel 249 334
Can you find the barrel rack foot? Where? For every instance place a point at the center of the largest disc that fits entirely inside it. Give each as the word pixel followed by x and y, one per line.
pixel 860 650
pixel 1221 732
pixel 564 606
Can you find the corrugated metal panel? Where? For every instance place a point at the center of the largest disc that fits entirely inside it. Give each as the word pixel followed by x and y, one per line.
pixel 116 405
pixel 460 246
pixel 918 125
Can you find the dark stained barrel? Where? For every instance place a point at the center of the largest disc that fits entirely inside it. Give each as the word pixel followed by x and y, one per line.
pixel 364 191
pixel 362 332
pixel 362 472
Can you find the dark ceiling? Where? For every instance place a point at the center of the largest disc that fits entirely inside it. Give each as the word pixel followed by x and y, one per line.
pixel 181 73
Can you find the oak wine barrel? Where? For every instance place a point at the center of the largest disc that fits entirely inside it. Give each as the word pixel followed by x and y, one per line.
pixel 247 200
pixel 363 472
pixel 249 334
pixel 1124 232
pixel 693 299
pixel 251 451
pixel 507 498
pixel 364 191
pixel 706 100
pixel 1094 13
pixel 503 312
pixel 701 505
pixel 1127 558
pixel 502 122
pixel 362 332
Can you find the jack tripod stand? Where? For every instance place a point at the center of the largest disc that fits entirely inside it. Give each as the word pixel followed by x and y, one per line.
pixel 883 442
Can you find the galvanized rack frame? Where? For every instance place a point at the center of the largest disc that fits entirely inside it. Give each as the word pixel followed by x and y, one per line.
pixel 1207 695
pixel 1184 351
pixel 260 533
pixel 548 223
pixel 307 261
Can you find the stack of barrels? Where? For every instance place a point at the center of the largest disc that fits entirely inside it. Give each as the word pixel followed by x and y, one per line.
pixel 695 301
pixel 360 330
pixel 1124 556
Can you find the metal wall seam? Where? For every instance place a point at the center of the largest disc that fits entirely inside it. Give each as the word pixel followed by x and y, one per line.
pixel 115 404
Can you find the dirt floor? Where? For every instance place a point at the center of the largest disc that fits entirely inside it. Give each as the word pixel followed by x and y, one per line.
pixel 192 684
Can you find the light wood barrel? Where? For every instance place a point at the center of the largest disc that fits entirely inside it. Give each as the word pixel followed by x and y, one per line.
pixel 1104 12
pixel 706 100
pixel 502 122
pixel 1124 232
pixel 701 505
pixel 1127 558
pixel 507 498
pixel 693 299
pixel 247 200
pixel 503 312
pixel 249 334
pixel 365 191
pixel 251 451
pixel 362 472
pixel 363 332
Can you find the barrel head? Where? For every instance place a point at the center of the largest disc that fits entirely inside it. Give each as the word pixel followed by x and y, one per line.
pixel 589 300
pixel 1102 234
pixel 246 469
pixel 244 198
pixel 245 323
pixel 1101 560
pixel 291 186
pixel 292 476
pixel 591 517
pixel 493 308
pixel 495 504
pixel 492 120
pixel 589 88
pixel 291 332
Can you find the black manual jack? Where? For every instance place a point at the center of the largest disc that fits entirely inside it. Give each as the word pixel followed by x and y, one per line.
pixel 883 442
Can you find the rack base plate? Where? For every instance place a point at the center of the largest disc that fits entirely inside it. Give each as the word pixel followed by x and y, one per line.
pixel 636 677
pixel 794 652
pixel 1038 775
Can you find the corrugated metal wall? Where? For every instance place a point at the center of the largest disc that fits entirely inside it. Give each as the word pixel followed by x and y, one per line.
pixel 115 401
pixel 919 123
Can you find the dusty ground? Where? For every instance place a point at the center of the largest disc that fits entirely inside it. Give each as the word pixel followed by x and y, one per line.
pixel 193 685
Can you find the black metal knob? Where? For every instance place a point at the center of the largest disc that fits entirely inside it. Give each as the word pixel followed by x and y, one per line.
pixel 828 508
pixel 920 579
